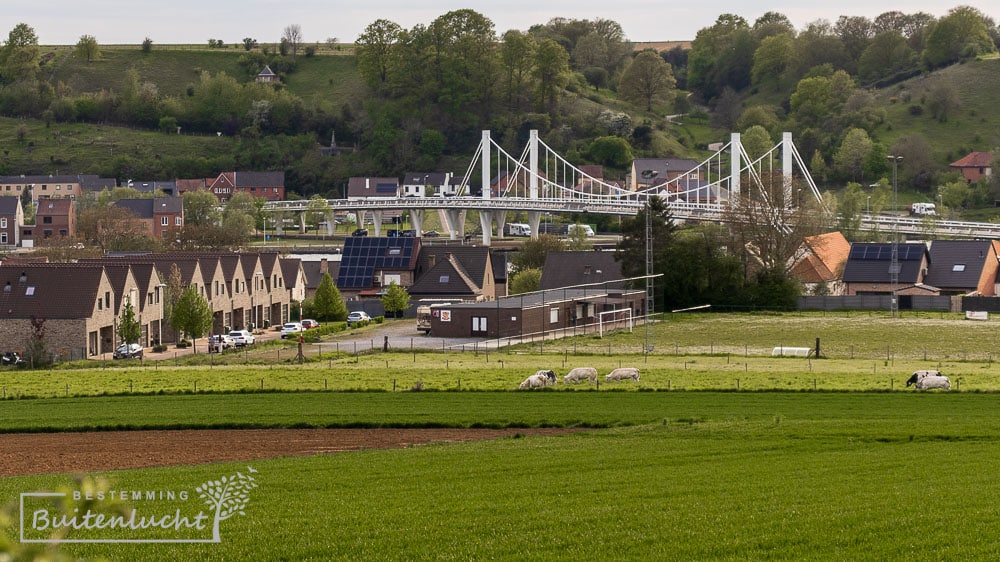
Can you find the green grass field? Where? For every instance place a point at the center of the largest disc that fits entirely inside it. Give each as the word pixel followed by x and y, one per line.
pixel 678 466
pixel 716 476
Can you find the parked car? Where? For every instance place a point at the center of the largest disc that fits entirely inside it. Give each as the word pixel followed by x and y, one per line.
pixel 308 324
pixel 360 232
pixel 241 338
pixel 220 342
pixel 291 329
pixel 431 234
pixel 128 351
pixel 11 359
pixel 358 316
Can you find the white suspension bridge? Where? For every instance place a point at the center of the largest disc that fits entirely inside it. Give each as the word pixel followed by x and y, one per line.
pixel 540 181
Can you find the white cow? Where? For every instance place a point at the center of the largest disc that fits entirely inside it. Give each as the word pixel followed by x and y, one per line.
pixel 922 374
pixel 928 383
pixel 622 373
pixel 581 373
pixel 538 380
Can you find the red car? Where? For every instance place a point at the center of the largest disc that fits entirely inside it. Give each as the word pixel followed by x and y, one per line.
pixel 309 324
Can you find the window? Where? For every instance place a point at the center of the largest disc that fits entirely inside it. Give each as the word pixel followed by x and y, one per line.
pixel 29 291
pixel 46 220
pixel 164 221
pixel 107 299
pixel 553 315
pixel 63 232
pixel 47 232
pixel 58 188
pixel 45 187
pixel 958 267
pixel 3 222
pixel 100 304
pixel 178 221
pixel 3 237
pixel 443 279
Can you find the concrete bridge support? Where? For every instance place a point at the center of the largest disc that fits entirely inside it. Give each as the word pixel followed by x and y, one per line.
pixel 501 222
pixel 534 220
pixel 486 224
pixel 456 223
pixel 417 221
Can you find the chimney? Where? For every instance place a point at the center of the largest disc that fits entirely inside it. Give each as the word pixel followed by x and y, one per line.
pixel 432 259
pixel 323 266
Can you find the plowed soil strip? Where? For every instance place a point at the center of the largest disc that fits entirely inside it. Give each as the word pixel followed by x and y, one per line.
pixel 23 454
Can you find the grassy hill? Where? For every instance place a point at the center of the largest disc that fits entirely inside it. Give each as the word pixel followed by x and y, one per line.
pixel 972 128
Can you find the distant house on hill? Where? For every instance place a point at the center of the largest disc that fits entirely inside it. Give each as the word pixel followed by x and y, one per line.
pixel 267 75
pixel 974 165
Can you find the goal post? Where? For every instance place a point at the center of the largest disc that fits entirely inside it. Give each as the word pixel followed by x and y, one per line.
pixel 614 319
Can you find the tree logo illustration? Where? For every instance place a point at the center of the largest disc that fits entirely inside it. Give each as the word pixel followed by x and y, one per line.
pixel 228 495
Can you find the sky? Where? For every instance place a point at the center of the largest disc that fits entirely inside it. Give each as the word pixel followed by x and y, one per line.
pixel 62 22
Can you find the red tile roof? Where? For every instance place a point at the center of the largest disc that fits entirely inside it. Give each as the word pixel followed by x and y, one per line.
pixel 974 160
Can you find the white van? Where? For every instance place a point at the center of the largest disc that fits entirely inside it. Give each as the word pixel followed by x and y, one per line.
pixel 923 209
pixel 587 230
pixel 517 229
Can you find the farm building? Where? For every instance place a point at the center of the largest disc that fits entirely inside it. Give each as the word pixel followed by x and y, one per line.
pixel 572 310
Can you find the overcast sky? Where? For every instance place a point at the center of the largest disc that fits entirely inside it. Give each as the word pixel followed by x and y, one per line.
pixel 62 22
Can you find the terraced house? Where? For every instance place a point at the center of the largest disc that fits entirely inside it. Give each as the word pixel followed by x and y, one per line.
pixel 76 307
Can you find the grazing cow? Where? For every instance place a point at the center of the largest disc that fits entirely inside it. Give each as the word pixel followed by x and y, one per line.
pixel 928 383
pixel 549 375
pixel 922 374
pixel 537 380
pixel 622 373
pixel 581 373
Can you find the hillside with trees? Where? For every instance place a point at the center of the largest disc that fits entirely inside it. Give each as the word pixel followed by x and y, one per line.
pixel 851 91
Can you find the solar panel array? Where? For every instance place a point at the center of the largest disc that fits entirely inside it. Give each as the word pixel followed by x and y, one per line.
pixel 875 252
pixel 364 255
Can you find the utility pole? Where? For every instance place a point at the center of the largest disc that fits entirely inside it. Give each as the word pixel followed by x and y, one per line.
pixel 894 265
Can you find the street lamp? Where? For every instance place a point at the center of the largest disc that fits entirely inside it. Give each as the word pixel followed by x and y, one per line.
pixel 894 265
pixel 265 230
pixel 159 296
pixel 868 206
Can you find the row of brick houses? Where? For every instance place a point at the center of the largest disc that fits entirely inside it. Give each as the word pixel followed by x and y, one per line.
pixel 79 304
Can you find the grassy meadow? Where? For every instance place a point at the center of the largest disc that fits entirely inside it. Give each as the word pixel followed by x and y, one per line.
pixel 807 459
pixel 717 476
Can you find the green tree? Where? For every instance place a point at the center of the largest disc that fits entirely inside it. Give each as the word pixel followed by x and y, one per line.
pixel 376 53
pixel 517 53
pixel 239 217
pixel 551 72
pixel 396 300
pixel 172 293
pixel 317 209
pixel 533 252
pixel 852 154
pixel 943 101
pixel 328 305
pixel 129 330
pixel 647 80
pixel 756 141
pixel 631 251
pixel 721 56
pixel 249 43
pixel 192 314
pixel 201 208
pixel 962 34
pixel 772 60
pixel 525 281
pixel 87 48
pixel 888 54
pixel 147 45
pixel 20 54
pixel 611 151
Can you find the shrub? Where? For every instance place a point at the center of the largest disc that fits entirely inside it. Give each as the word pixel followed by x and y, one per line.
pixel 916 110
pixel 159 348
pixel 379 319
pixel 183 344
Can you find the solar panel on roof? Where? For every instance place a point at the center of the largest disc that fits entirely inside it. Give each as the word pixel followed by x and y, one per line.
pixel 363 256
